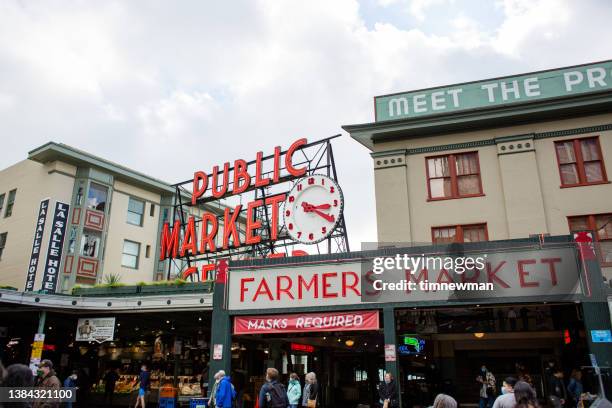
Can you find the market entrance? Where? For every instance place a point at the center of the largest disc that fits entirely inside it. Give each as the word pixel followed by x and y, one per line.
pixel 443 349
pixel 348 364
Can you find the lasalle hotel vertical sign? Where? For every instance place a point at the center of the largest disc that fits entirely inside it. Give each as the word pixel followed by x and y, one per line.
pixel 54 249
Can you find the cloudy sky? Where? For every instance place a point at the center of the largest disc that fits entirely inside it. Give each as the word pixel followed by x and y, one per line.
pixel 167 87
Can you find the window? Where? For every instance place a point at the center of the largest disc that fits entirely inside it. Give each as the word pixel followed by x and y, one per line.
pixel 135 211
pixel 453 176
pixel 2 242
pixel 580 162
pixel 96 198
pixel 10 203
pixel 459 233
pixel 2 202
pixel 152 210
pixel 602 225
pixel 131 251
pixel 90 243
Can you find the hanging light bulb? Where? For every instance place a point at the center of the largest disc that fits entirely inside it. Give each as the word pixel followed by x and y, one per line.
pixel 350 342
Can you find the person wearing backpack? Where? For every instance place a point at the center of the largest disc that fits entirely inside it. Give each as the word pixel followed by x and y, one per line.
pixel 294 390
pixel 273 393
pixel 226 394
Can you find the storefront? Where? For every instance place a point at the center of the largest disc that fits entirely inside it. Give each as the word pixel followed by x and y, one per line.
pixel 169 333
pixel 324 314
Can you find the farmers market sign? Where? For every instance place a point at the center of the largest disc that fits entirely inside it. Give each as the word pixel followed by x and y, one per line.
pixel 542 85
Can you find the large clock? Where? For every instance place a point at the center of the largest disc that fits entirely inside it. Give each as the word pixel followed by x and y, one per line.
pixel 313 209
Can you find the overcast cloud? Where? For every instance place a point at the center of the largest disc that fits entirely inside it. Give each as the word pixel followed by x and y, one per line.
pixel 168 87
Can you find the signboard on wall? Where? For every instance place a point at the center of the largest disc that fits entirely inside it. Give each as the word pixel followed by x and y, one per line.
pixel 98 329
pixel 536 86
pixel 39 231
pixel 37 349
pixel 56 244
pixel 309 322
pixel 511 274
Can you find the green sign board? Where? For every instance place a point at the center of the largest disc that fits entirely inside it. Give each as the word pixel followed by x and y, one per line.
pixel 509 90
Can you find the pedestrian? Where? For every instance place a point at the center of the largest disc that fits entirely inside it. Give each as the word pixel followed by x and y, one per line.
pixel 387 391
pixel 213 393
pixel 522 374
pixel 575 387
pixel 486 379
pixel 444 401
pixel 556 389
pixel 524 312
pixel 110 380
pixel 17 376
pixel 310 395
pixel 294 390
pixel 144 380
pixel 47 380
pixel 71 382
pixel 512 318
pixel 506 400
pixel 525 395
pixel 273 393
pixel 226 394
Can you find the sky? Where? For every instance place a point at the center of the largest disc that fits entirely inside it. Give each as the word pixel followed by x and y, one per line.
pixel 167 88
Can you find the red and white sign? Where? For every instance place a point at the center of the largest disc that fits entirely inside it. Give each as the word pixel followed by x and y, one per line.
pixel 310 322
pixel 218 352
pixel 390 352
pixel 584 239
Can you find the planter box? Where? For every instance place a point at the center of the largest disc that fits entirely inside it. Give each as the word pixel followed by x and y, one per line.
pixel 107 291
pixel 198 287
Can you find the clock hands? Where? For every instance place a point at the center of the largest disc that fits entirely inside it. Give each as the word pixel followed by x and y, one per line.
pixel 315 209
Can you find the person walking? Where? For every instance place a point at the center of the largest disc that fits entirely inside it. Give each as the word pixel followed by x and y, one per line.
pixel 294 390
pixel 213 393
pixel 575 387
pixel 273 393
pixel 444 401
pixel 145 383
pixel 512 317
pixel 525 395
pixel 506 400
pixel 110 380
pixel 486 379
pixel 310 395
pixel 226 394
pixel 556 389
pixel 387 391
pixel 71 382
pixel 47 380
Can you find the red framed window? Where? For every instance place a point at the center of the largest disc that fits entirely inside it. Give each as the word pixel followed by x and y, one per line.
pixel 459 233
pixel 602 225
pixel 453 176
pixel 580 162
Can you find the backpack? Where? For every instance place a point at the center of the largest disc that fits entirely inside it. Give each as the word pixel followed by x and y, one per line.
pixel 276 396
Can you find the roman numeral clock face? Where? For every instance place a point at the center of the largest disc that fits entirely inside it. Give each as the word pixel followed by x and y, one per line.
pixel 313 209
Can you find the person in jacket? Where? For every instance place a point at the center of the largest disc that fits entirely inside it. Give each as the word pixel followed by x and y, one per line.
pixel 575 387
pixel 556 389
pixel 145 383
pixel 311 390
pixel 273 393
pixel 486 379
pixel 213 393
pixel 387 391
pixel 70 382
pixel 294 390
pixel 225 392
pixel 47 380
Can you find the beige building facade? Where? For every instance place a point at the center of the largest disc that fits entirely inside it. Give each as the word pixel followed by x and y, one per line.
pixel 114 221
pixel 495 172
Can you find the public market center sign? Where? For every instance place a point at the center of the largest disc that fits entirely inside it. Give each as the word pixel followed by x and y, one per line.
pixel 536 86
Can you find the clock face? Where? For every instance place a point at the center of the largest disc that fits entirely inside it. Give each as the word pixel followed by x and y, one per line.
pixel 313 209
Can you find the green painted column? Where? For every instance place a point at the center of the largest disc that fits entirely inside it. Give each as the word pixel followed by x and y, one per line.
pixel 391 338
pixel 221 335
pixel 42 319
